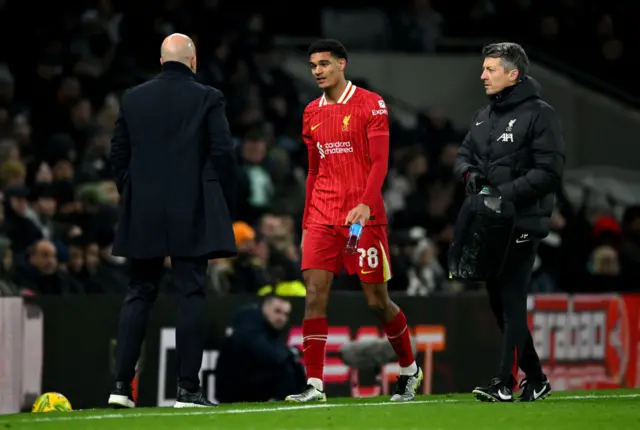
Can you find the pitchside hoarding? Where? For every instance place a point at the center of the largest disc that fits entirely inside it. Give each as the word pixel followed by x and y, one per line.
pixel 585 342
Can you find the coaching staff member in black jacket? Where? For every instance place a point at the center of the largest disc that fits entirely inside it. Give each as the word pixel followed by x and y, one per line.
pixel 173 161
pixel 514 145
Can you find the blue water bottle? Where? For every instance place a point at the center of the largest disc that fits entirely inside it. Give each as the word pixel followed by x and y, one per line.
pixel 355 231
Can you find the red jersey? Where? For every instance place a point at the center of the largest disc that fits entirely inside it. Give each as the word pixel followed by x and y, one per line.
pixel 348 146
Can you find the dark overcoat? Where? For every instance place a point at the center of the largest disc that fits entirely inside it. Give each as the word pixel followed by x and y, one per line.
pixel 174 165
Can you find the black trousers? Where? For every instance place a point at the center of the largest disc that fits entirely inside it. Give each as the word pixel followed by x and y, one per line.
pixel 508 298
pixel 189 276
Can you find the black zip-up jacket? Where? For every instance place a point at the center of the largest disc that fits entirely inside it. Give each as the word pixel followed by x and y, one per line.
pixel 516 143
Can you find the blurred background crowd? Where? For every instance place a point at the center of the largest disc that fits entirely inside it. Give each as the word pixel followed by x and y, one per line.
pixel 60 84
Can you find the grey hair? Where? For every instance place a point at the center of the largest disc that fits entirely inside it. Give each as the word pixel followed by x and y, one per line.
pixel 511 55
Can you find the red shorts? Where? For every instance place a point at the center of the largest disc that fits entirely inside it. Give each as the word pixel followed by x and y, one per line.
pixel 323 248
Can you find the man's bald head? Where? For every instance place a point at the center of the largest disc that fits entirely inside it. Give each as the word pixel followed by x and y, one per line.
pixel 180 48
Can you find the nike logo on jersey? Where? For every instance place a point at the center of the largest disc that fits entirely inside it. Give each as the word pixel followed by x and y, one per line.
pixel 366 272
pixel 478 123
pixel 523 238
pixel 313 127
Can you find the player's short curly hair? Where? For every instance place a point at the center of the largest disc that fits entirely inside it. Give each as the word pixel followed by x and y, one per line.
pixel 336 48
pixel 511 54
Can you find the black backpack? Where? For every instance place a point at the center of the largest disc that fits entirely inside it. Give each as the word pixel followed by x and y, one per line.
pixel 482 235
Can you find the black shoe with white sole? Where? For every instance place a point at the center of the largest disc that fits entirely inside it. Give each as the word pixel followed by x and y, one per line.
pixel 187 399
pixel 497 391
pixel 121 397
pixel 534 390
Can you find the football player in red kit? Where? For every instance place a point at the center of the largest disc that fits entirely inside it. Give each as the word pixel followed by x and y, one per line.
pixel 347 136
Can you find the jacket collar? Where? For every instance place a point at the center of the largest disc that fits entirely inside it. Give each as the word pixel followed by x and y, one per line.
pixel 176 67
pixel 510 97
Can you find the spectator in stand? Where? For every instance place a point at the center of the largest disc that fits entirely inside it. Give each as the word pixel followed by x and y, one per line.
pixel 40 273
pixel 247 272
pixel 7 286
pixel 57 114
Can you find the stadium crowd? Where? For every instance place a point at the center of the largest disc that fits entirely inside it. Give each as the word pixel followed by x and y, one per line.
pixel 57 111
pixel 593 36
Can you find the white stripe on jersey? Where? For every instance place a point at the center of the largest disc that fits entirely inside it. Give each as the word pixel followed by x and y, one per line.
pixel 348 92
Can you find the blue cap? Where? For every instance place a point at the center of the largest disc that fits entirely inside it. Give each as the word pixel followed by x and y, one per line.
pixel 355 229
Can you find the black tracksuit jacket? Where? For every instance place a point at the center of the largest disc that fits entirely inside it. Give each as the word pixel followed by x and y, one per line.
pixel 516 143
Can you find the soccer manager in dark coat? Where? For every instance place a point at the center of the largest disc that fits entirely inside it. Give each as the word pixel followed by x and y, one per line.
pixel 172 157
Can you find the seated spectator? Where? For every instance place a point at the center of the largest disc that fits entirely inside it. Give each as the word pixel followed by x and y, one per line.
pixel 40 273
pixel 19 225
pixel 255 364
pixel 7 286
pixel 247 272
pixel 630 248
pixel 284 249
pixel 255 187
pixel 426 275
pixel 13 173
pixel 604 271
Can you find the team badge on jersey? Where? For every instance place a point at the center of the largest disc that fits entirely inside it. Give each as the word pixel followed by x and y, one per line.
pixel 345 122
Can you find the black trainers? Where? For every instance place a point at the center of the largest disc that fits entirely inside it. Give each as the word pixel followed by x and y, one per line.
pixel 121 397
pixel 497 391
pixel 534 390
pixel 187 399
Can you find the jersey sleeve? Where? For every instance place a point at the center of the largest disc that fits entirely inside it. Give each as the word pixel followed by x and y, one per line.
pixel 378 117
pixel 378 138
pixel 314 162
pixel 306 127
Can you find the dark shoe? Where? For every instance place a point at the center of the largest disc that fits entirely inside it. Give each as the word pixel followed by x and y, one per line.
pixel 534 390
pixel 497 391
pixel 121 397
pixel 187 399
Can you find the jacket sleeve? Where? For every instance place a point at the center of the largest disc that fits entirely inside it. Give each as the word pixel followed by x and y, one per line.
pixel 463 162
pixel 547 151
pixel 120 154
pixel 221 150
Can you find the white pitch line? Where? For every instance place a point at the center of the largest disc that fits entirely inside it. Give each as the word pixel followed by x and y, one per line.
pixel 595 396
pixel 216 411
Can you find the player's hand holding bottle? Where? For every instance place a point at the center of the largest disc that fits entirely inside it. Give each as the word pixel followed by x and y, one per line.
pixel 355 231
pixel 359 214
pixel 356 218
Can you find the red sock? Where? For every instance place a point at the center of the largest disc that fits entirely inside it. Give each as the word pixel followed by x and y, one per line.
pixel 314 339
pixel 398 335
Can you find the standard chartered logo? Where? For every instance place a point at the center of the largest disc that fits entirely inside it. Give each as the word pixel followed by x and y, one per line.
pixel 334 148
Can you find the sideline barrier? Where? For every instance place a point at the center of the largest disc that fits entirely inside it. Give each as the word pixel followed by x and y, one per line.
pixel 585 342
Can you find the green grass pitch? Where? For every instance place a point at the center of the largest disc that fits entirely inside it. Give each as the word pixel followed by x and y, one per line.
pixel 579 410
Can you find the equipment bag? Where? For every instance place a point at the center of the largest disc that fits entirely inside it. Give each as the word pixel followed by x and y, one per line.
pixel 482 235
